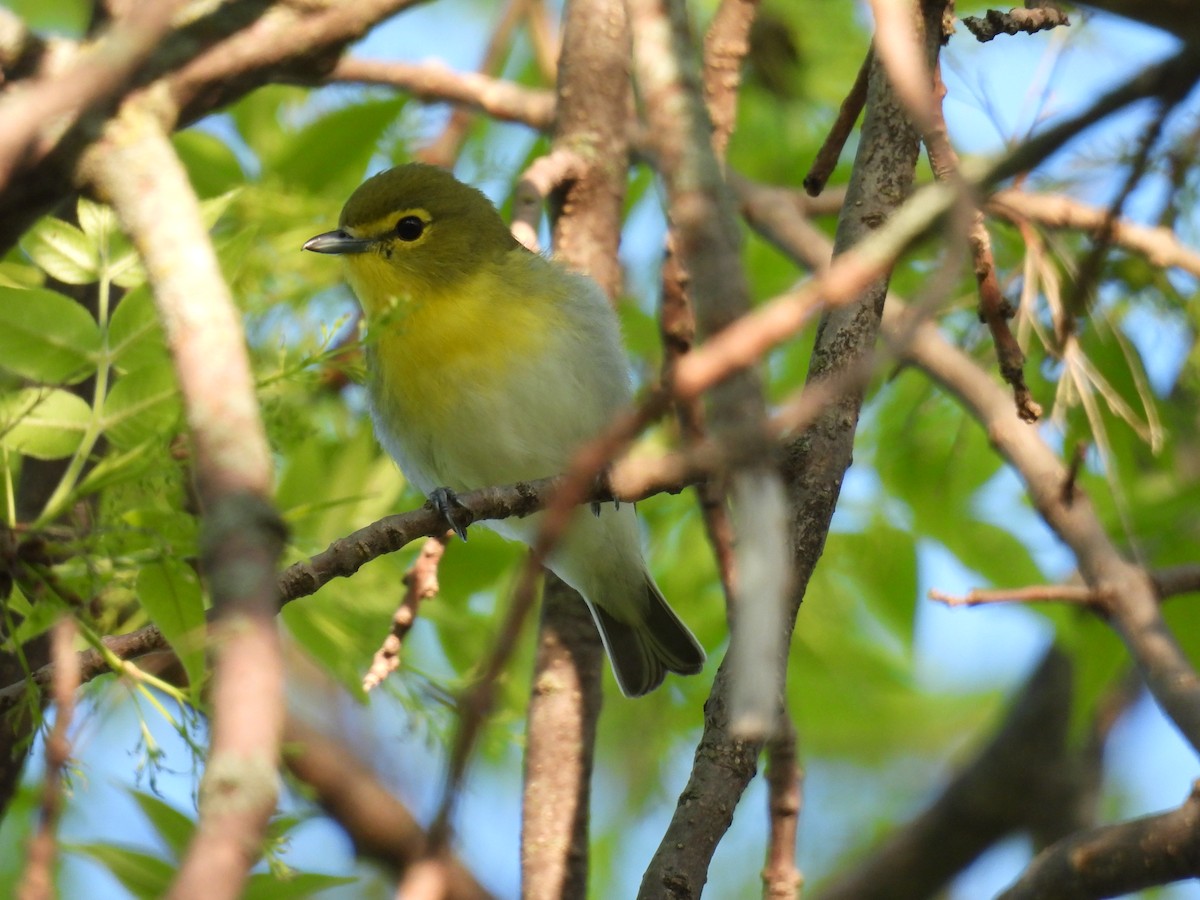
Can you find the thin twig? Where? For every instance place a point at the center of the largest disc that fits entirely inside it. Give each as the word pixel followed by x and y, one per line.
pixel 444 149
pixel 994 310
pixel 781 879
pixel 1015 21
pixel 1160 245
pixel 839 132
pixel 37 881
pixel 420 584
pixel 434 82
pixel 1116 860
pixel 1039 593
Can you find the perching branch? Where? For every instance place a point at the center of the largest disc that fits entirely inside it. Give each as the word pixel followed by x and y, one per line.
pixel 433 82
pixel 346 555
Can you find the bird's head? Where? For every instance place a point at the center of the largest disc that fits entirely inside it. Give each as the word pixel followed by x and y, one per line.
pixel 411 231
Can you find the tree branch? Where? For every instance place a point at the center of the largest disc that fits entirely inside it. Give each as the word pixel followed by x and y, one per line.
pixel 1160 245
pixel 379 825
pixel 433 82
pixel 134 168
pixel 594 103
pixel 1117 859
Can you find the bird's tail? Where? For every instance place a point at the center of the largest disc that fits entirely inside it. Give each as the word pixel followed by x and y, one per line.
pixel 641 654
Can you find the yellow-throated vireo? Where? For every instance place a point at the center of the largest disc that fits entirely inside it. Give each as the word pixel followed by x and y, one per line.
pixel 489 364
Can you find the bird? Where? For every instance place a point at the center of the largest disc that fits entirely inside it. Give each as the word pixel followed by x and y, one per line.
pixel 487 364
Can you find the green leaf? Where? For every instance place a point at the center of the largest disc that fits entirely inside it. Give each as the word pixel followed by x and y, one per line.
pixel 135 335
pixel 127 271
pixel 213 208
pixel 45 336
pixel 888 586
pixel 63 17
pixel 340 144
pixel 63 251
pixel 141 873
pixel 212 166
pixel 174 827
pixel 16 828
pixel 36 619
pixel 19 275
pixel 299 885
pixel 46 424
pixel 170 593
pixel 257 117
pixel 142 404
pixel 117 467
pixel 97 220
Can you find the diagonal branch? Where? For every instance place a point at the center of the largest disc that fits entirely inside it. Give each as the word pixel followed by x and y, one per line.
pixel 1117 859
pixel 135 169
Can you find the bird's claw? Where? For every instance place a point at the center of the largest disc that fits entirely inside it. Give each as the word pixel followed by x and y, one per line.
pixel 450 508
pixel 602 484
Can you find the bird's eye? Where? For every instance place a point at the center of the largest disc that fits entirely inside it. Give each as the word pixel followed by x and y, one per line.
pixel 410 228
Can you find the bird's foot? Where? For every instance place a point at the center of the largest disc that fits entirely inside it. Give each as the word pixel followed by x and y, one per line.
pixel 603 485
pixel 447 504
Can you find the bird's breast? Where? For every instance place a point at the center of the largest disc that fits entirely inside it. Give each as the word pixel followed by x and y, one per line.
pixel 457 380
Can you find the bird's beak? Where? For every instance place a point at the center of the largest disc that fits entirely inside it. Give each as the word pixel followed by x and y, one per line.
pixel 337 242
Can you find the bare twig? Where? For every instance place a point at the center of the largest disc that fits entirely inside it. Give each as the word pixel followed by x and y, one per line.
pixel 705 230
pixel 37 881
pixel 1070 484
pixel 544 175
pixel 1133 600
pixel 781 879
pixel 1088 273
pixel 205 66
pixel 749 338
pixel 726 44
pixel 677 325
pixel 348 554
pixel 444 150
pixel 1041 593
pixel 839 132
pixel 39 111
pixel 1015 21
pixel 994 309
pixel 1175 580
pixel 420 584
pixel 1133 605
pixel 433 82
